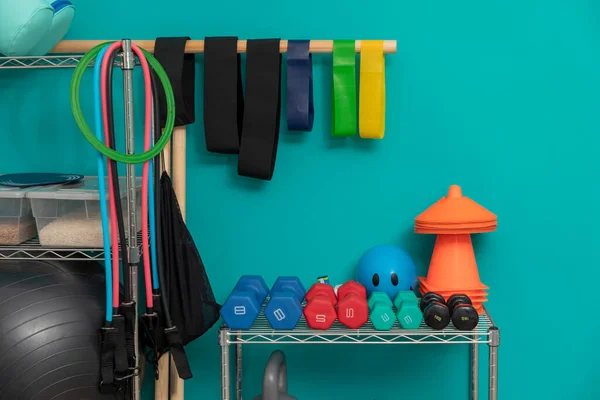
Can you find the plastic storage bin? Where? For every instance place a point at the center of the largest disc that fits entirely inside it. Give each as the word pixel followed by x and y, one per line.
pixel 17 224
pixel 69 215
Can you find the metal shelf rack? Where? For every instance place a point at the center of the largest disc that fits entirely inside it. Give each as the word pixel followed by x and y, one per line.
pixel 261 333
pixel 58 61
pixel 33 250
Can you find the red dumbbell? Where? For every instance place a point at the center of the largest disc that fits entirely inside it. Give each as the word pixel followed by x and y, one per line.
pixel 320 306
pixel 353 309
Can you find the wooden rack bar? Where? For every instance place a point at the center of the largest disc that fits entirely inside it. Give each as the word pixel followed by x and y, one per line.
pixel 197 46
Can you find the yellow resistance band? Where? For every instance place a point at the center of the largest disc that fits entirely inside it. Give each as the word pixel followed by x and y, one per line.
pixel 372 90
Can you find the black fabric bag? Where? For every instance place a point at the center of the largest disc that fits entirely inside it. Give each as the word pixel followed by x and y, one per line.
pixel 191 300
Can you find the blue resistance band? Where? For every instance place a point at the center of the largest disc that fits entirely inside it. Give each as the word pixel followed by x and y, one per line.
pixel 101 187
pixel 300 103
pixel 152 222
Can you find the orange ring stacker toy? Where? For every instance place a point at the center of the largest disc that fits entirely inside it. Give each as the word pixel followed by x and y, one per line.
pixel 453 268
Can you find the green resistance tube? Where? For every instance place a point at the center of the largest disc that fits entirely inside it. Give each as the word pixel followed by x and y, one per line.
pixel 87 132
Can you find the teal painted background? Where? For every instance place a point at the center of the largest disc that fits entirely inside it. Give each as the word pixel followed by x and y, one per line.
pixel 500 97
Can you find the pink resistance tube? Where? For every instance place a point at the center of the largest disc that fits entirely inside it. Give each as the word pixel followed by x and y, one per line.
pixel 145 177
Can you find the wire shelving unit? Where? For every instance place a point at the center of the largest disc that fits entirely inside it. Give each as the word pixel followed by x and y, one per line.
pixel 33 250
pixel 261 332
pixel 56 61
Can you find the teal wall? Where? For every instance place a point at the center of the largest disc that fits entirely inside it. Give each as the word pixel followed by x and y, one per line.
pixel 500 97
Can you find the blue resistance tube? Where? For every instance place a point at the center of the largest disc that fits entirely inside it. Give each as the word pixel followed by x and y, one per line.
pixel 101 186
pixel 152 223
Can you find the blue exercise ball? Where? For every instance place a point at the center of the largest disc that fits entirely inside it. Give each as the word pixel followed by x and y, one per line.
pixel 388 269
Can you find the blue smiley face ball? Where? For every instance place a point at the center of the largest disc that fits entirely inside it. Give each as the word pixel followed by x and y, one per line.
pixel 388 269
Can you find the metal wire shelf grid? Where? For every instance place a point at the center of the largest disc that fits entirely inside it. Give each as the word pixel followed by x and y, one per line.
pixel 62 61
pixel 261 332
pixel 33 250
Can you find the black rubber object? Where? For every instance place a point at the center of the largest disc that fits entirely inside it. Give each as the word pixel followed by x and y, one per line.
pixel 435 311
pixel 437 315
pixel 50 313
pixel 457 299
pixel 464 315
pixel 428 298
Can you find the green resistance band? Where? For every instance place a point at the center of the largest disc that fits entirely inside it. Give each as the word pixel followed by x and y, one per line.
pixel 87 132
pixel 344 88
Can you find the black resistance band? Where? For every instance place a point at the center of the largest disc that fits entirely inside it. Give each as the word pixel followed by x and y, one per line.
pixel 125 361
pixel 181 69
pixel 167 335
pixel 260 133
pixel 155 333
pixel 119 346
pixel 300 103
pixel 223 95
pixel 122 357
pixel 163 333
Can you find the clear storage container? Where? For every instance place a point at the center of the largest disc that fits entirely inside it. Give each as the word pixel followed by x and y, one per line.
pixel 17 224
pixel 69 215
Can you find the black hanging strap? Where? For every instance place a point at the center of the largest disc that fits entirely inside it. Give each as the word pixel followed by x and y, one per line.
pixel 260 133
pixel 107 360
pixel 121 356
pixel 150 323
pixel 223 95
pixel 127 310
pixel 160 341
pixel 178 353
pixel 181 70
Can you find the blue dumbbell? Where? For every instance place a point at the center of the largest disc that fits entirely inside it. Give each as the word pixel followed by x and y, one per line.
pixel 243 304
pixel 284 308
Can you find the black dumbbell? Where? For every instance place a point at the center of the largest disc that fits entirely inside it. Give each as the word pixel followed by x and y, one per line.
pixel 464 315
pixel 435 311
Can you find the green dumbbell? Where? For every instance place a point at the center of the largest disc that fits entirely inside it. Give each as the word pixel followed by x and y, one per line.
pixel 409 314
pixel 380 311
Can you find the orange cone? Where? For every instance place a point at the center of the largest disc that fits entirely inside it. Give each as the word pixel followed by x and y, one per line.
pixel 453 265
pixel 455 209
pixel 480 293
pixel 453 268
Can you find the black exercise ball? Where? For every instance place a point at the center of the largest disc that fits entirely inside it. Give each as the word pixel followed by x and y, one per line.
pixel 50 314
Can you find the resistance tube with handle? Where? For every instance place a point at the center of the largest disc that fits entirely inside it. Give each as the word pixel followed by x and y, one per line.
pixel 117 343
pixel 112 49
pixel 109 129
pixel 124 317
pixel 102 192
pixel 109 333
pixel 127 307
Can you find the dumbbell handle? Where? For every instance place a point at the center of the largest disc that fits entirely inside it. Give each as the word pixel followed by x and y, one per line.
pixel 275 378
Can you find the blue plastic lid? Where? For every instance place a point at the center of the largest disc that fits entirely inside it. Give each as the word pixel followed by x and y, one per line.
pixel 37 179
